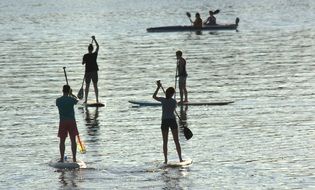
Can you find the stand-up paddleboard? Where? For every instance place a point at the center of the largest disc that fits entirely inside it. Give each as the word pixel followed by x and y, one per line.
pixel 67 164
pixel 151 103
pixel 174 164
pixel 93 104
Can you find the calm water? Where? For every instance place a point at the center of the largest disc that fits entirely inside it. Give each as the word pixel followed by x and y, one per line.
pixel 265 140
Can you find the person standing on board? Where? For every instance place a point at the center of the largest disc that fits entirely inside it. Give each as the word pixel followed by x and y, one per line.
pixel 67 123
pixel 91 69
pixel 168 119
pixel 198 21
pixel 182 76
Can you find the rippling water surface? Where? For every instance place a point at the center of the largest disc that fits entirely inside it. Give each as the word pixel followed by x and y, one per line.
pixel 264 140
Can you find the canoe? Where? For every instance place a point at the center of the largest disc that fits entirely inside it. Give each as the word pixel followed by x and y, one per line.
pixel 181 28
pixel 155 103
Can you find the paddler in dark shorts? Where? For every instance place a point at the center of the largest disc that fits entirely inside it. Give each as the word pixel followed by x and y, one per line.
pixel 168 119
pixel 182 76
pixel 67 123
pixel 91 69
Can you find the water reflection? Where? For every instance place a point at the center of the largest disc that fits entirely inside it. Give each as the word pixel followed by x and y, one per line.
pixel 68 178
pixel 173 178
pixel 183 116
pixel 91 121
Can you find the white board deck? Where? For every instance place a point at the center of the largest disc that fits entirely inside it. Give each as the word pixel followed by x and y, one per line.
pixel 174 164
pixel 68 164
pixel 156 103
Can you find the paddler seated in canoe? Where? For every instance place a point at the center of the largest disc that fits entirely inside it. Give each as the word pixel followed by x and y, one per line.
pixel 211 20
pixel 198 21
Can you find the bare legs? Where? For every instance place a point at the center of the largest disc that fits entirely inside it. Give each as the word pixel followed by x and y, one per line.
pixel 62 149
pixel 87 87
pixel 176 141
pixel 96 91
pixel 165 139
pixel 182 89
pixel 73 148
pixel 177 144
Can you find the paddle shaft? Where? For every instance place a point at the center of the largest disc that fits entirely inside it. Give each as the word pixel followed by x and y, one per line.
pixel 189 15
pixel 175 79
pixel 83 82
pixel 64 70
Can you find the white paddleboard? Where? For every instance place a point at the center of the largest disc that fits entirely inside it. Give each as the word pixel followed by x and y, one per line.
pixel 151 103
pixel 174 164
pixel 67 164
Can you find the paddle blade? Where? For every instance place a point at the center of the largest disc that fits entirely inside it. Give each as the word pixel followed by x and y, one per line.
pixel 216 11
pixel 187 133
pixel 188 14
pixel 80 94
pixel 81 146
pixel 237 20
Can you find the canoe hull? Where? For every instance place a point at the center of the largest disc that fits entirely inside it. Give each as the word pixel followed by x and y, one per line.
pixel 181 28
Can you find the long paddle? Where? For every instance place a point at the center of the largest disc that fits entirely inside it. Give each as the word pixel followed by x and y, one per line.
pixel 189 16
pixel 81 146
pixel 80 93
pixel 187 132
pixel 176 79
pixel 216 11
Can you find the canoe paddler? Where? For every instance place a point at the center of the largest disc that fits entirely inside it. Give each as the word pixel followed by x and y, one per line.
pixel 211 20
pixel 198 21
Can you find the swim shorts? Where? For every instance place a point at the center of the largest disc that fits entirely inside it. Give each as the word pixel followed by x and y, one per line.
pixel 169 123
pixel 91 76
pixel 66 127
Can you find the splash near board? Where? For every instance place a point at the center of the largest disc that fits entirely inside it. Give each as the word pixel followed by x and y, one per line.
pixel 67 164
pixel 150 103
pixel 175 164
pixel 93 104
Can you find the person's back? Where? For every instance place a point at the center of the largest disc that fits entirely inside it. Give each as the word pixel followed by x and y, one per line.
pixel 90 62
pixel 65 106
pixel 168 107
pixel 198 21
pixel 211 19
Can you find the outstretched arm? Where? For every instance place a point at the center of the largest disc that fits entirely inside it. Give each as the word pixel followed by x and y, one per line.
pixel 83 62
pixel 97 46
pixel 207 21
pixel 156 91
